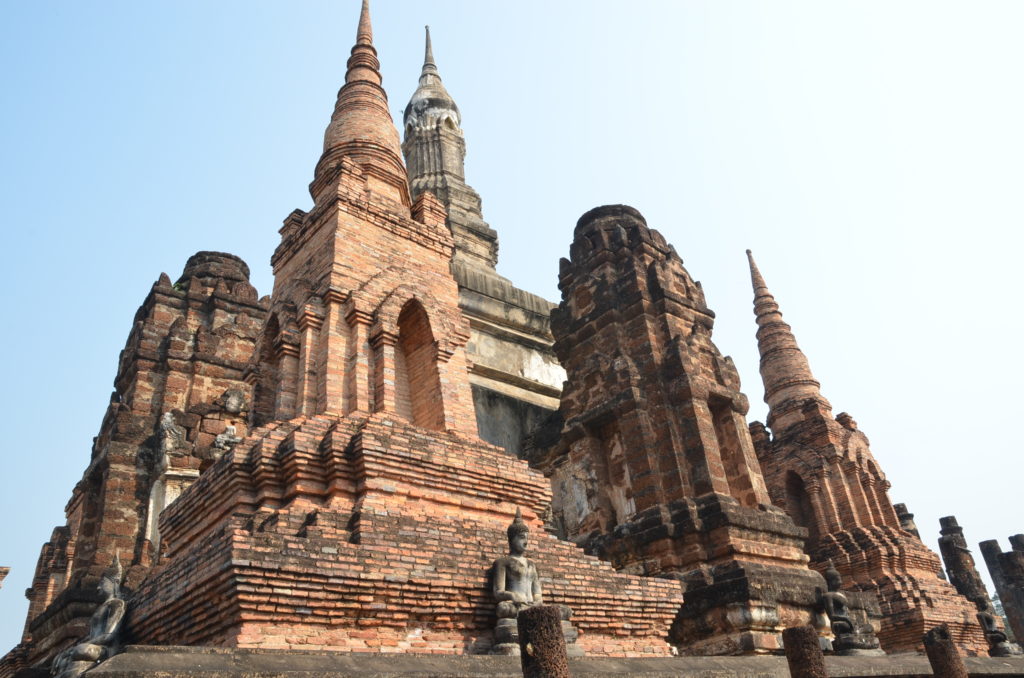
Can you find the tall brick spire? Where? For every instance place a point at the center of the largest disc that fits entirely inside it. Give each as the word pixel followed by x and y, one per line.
pixel 361 126
pixel 821 470
pixel 785 371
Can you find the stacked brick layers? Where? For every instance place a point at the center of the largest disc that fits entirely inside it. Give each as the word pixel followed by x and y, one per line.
pixel 369 535
pixel 744 575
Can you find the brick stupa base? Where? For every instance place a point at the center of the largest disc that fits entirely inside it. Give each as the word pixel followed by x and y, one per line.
pixel 902 572
pixel 369 535
pixel 744 573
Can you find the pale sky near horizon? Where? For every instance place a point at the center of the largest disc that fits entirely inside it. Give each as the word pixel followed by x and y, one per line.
pixel 871 154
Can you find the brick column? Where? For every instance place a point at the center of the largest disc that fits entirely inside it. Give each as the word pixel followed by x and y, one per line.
pixel 309 327
pixel 358 361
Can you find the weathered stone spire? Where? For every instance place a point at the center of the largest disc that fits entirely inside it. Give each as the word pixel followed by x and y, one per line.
pixel 431 103
pixel 786 374
pixel 361 126
pixel 435 152
pixel 428 57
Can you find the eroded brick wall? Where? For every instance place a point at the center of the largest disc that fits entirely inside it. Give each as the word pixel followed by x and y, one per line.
pixel 190 345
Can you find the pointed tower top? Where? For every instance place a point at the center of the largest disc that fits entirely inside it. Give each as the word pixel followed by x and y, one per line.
pixel 755 275
pixel 361 126
pixel 785 372
pixel 363 64
pixel 428 56
pixel 430 103
pixel 364 34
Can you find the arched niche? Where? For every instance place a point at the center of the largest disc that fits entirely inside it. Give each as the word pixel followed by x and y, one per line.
pixel 798 504
pixel 418 396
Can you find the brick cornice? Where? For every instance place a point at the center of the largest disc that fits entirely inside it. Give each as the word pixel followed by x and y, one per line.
pixel 334 295
pixel 356 316
pixel 310 319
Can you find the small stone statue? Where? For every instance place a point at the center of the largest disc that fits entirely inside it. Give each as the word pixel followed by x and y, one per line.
pixel 104 630
pixel 850 638
pixel 228 439
pixel 516 583
pixel 998 643
pixel 516 586
pixel 172 436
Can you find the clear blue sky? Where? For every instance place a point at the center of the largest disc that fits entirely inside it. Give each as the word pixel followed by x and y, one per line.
pixel 870 153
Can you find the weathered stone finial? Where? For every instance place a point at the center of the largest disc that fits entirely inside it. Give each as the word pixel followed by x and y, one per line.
pixel 361 128
pixel 428 55
pixel 430 106
pixel 756 279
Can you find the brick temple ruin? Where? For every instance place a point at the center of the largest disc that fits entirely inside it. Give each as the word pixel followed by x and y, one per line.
pixel 333 467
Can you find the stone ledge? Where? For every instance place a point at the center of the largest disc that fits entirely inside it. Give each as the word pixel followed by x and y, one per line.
pixel 174 662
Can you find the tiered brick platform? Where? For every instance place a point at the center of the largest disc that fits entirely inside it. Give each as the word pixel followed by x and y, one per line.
pixel 372 535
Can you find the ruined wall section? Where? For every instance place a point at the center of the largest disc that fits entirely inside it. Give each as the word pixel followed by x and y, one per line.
pixel 180 401
pixel 822 473
pixel 515 375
